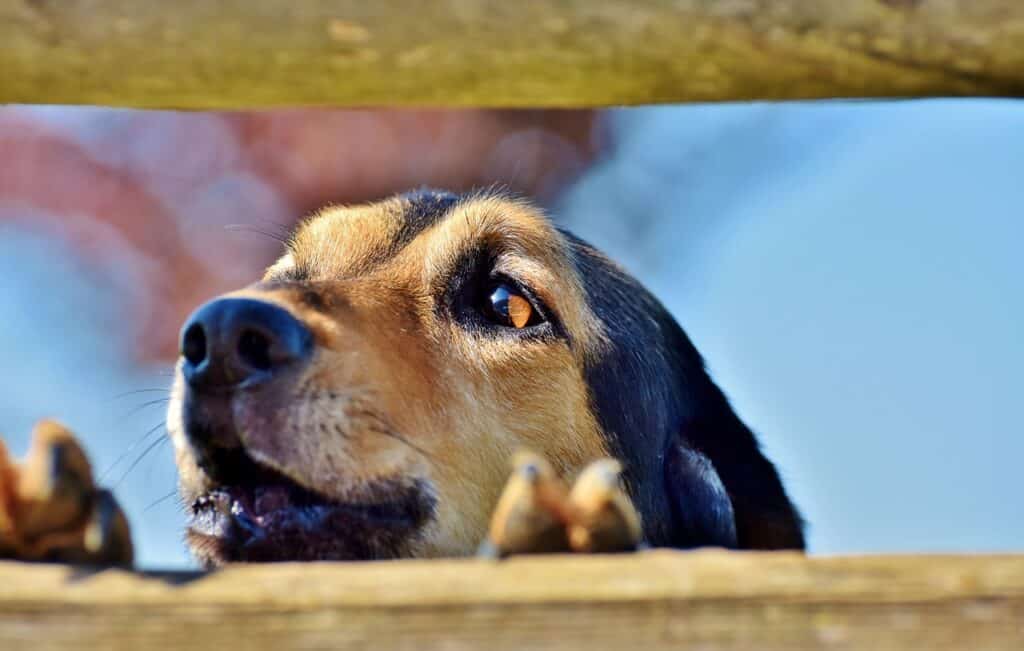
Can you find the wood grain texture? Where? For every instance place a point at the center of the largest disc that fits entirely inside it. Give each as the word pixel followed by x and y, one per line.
pixel 493 53
pixel 652 600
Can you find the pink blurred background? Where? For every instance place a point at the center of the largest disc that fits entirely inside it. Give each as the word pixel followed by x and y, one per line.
pixel 181 197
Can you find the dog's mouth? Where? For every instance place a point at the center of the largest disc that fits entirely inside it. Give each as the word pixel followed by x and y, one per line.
pixel 263 516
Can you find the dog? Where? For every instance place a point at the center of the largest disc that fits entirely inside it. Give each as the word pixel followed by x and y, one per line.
pixel 363 399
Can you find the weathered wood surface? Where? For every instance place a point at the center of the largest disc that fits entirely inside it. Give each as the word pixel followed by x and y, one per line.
pixel 652 601
pixel 258 53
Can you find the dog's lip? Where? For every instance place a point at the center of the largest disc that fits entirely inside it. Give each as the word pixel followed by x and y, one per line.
pixel 262 515
pixel 254 511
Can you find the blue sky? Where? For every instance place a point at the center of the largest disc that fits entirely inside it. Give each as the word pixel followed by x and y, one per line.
pixel 853 274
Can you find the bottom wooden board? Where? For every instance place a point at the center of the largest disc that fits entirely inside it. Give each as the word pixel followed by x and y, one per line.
pixel 652 600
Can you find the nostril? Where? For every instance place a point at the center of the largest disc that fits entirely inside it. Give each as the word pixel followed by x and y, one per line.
pixel 193 345
pixel 231 342
pixel 254 350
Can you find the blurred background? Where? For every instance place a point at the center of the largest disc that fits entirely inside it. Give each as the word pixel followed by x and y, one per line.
pixel 852 272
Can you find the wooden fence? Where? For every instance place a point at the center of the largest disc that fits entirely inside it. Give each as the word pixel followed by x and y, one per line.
pixel 658 600
pixel 200 54
pixel 203 54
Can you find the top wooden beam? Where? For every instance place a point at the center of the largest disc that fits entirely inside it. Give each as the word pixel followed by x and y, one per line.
pixel 199 54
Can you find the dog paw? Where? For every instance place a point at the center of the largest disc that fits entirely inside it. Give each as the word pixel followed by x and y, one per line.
pixel 604 519
pixel 51 508
pixel 537 514
pixel 531 516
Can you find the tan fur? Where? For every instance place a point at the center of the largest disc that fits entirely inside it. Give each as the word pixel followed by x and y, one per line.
pixel 396 389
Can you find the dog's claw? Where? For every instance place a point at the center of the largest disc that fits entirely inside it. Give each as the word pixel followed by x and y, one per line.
pixel 51 510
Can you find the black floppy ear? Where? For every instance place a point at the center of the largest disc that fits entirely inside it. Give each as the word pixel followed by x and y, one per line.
pixel 722 489
pixel 694 471
pixel 702 512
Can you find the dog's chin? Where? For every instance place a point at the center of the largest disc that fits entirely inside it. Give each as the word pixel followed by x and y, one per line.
pixel 274 519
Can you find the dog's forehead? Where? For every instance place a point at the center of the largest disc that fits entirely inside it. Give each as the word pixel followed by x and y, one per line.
pixel 352 241
pixel 346 241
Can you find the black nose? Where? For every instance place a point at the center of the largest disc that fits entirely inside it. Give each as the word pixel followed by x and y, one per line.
pixel 232 342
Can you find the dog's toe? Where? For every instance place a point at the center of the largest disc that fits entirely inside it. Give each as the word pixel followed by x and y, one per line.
pixel 530 517
pixel 8 484
pixel 55 488
pixel 605 518
pixel 51 509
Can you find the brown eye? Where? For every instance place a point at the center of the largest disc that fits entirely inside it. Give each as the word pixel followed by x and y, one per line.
pixel 509 308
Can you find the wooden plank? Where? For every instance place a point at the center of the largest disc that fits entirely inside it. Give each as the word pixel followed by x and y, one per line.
pixel 653 600
pixel 494 53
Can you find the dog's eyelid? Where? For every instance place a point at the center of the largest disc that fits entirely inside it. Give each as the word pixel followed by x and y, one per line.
pixel 527 275
pixel 527 272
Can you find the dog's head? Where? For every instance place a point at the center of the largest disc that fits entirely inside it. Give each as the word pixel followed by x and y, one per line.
pixel 364 398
